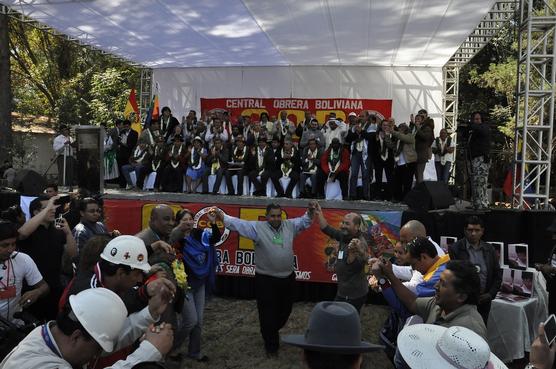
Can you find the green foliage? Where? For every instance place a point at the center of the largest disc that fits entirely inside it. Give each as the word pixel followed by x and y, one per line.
pixel 59 79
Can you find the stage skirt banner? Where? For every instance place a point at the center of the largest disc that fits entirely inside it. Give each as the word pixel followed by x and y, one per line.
pixel 295 108
pixel 315 253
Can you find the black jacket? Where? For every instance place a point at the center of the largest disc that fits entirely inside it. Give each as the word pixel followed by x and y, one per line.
pixel 458 251
pixel 479 140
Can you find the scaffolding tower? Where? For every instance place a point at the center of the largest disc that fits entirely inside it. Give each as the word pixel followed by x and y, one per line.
pixel 534 133
pixel 145 93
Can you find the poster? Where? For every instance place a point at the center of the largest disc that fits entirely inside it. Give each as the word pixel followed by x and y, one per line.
pixel 314 251
pixel 296 107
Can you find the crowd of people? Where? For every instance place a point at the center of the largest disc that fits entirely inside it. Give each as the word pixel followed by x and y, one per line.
pixel 115 301
pixel 369 157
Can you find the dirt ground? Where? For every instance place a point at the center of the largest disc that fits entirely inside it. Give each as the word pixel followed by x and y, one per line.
pixel 231 337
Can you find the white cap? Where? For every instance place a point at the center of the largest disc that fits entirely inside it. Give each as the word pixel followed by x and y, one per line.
pixel 127 250
pixel 352 114
pixel 428 346
pixel 102 313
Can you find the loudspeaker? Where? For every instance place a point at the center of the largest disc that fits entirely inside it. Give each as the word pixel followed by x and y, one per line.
pixel 28 182
pixel 429 195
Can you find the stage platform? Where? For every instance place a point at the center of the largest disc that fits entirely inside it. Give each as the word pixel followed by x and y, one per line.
pixel 116 194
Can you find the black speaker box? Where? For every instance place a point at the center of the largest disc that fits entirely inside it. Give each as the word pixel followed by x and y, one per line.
pixel 429 195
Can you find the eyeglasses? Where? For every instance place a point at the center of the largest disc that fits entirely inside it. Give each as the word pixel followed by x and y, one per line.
pixel 93 211
pixel 411 244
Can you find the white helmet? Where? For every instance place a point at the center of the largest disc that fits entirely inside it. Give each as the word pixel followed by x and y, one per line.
pixel 90 307
pixel 127 250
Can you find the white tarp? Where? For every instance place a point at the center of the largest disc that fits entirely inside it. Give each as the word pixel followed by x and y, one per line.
pixel 201 33
pixel 410 88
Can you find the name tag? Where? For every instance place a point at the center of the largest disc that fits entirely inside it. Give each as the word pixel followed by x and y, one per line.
pixel 340 255
pixel 277 240
pixel 7 293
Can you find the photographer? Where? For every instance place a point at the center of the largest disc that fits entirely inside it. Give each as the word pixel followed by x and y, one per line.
pixel 50 244
pixel 478 150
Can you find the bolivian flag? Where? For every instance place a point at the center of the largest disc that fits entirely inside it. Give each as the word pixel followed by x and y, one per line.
pixel 131 112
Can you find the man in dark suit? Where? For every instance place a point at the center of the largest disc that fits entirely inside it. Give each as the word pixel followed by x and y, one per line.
pixel 167 123
pixel 262 164
pixel 483 256
pixel 128 140
pixel 217 164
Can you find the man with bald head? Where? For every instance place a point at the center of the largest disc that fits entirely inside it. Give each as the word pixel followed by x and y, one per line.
pixel 157 235
pixel 408 232
pixel 351 258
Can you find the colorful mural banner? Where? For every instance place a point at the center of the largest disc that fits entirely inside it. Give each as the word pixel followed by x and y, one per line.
pixel 315 253
pixel 320 108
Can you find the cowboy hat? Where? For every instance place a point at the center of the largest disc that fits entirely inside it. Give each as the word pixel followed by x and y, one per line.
pixel 334 327
pixel 429 346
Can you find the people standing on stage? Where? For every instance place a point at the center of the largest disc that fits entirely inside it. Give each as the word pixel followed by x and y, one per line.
pixel 478 151
pixel 304 125
pixel 310 166
pixel 274 263
pixel 171 178
pixel 443 149
pixel 110 148
pixel 483 256
pixel 384 159
pixel 240 157
pixel 405 158
pixel 63 146
pixel 196 157
pixel 352 257
pixel 167 123
pixel 214 131
pixel 217 165
pixel 314 132
pixel 357 140
pixel 424 137
pixel 127 141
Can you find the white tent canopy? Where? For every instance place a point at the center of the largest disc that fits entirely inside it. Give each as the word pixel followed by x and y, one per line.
pixel 202 33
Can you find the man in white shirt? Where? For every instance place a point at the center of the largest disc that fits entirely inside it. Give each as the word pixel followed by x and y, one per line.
pixel 443 148
pixel 62 146
pixel 15 268
pixel 83 330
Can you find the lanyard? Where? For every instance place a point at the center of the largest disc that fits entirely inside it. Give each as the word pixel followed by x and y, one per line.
pixel 7 284
pixel 48 340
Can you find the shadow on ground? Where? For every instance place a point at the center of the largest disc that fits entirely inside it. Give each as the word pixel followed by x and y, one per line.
pixel 231 337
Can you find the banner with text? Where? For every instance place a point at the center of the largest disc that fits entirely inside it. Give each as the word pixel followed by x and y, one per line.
pixel 296 107
pixel 315 253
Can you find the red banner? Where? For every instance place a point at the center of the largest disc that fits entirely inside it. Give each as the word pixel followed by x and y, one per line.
pixel 315 253
pixel 320 108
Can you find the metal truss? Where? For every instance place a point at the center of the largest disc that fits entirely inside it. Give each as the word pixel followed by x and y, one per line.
pixel 534 132
pixel 145 92
pixel 83 39
pixel 500 13
pixel 450 97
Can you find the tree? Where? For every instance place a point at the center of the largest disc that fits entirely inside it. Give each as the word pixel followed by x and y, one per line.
pixel 5 89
